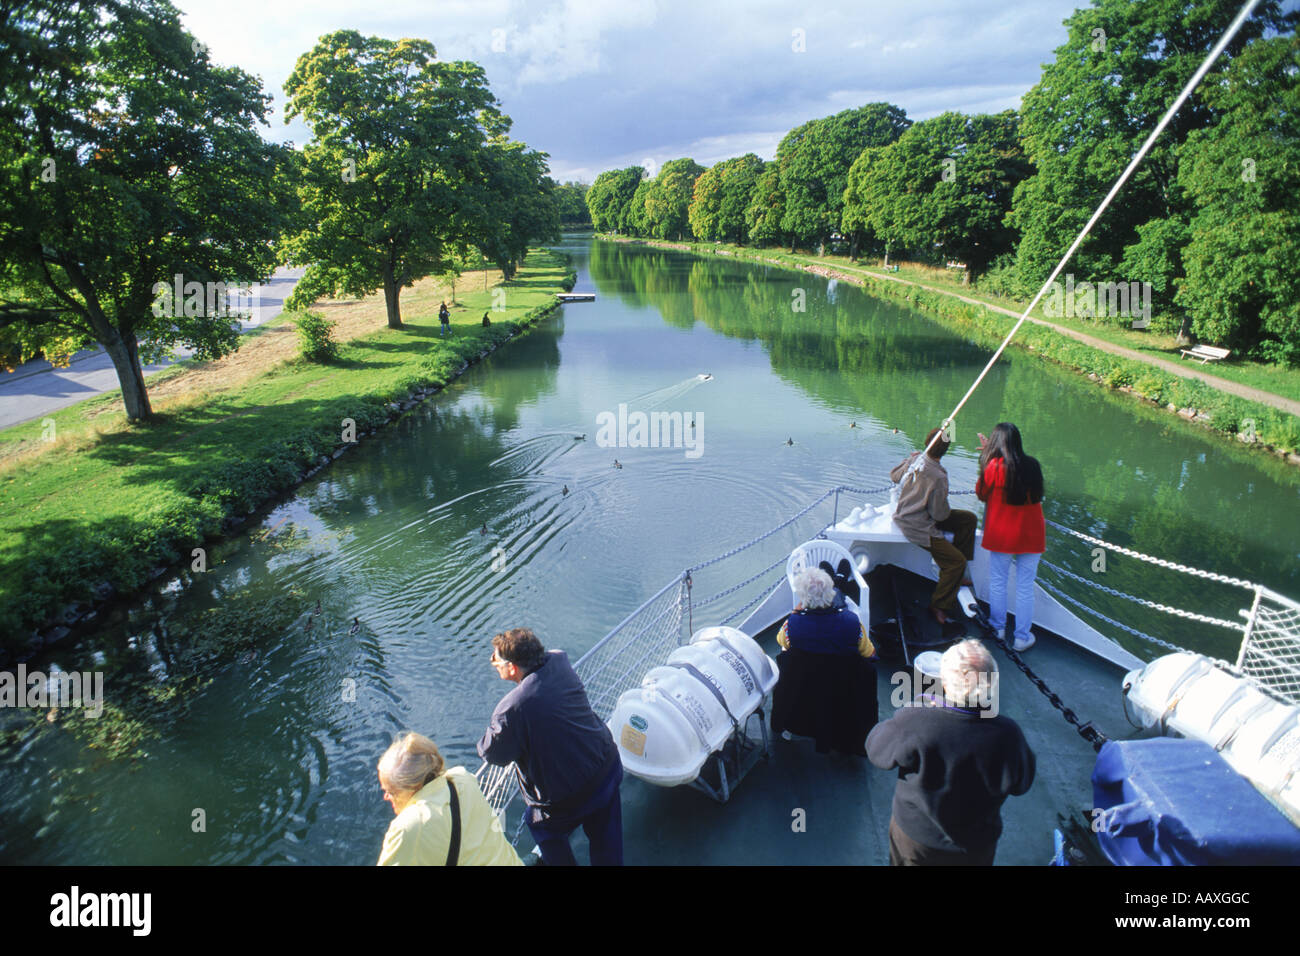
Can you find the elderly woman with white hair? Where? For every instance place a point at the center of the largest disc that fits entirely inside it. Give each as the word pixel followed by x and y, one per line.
pixel 443 819
pixel 958 759
pixel 827 688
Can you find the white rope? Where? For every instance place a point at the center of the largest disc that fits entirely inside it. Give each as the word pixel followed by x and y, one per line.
pixel 1162 562
pixel 1213 55
pixel 1111 621
pixel 1177 612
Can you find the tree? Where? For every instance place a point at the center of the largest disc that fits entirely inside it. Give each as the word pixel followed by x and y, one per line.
pixel 1089 113
pixel 705 210
pixel 571 201
pixel 855 215
pixel 1242 284
pixel 722 194
pixel 766 209
pixel 397 166
pixel 635 219
pixel 815 159
pixel 669 198
pixel 520 205
pixel 609 195
pixel 946 183
pixel 129 166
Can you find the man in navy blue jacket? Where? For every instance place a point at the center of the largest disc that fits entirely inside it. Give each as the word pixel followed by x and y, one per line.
pixel 566 760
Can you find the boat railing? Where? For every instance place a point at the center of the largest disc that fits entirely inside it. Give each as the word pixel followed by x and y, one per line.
pixel 1269 653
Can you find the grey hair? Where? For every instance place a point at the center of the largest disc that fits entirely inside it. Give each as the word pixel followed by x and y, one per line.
pixel 969 674
pixel 813 589
pixel 410 763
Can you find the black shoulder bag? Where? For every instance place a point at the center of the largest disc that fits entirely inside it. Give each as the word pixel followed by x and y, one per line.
pixel 453 851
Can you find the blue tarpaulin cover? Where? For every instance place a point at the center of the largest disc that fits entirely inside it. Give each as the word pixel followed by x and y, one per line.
pixel 1174 802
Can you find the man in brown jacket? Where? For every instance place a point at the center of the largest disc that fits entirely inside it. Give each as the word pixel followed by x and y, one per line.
pixel 923 516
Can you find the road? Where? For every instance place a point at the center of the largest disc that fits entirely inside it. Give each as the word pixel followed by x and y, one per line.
pixel 36 388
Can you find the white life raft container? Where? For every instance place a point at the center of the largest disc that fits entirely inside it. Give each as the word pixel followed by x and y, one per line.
pixel 687 708
pixel 1188 696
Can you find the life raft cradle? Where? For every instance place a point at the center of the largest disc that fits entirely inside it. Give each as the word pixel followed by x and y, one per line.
pixel 740 753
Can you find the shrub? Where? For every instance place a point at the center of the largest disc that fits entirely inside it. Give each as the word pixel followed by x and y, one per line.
pixel 315 338
pixel 569 281
pixel 1152 385
pixel 1279 353
pixel 1001 279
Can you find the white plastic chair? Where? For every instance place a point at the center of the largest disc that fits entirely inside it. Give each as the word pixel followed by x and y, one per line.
pixel 811 553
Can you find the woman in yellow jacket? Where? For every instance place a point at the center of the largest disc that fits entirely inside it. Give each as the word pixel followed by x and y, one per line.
pixel 420 790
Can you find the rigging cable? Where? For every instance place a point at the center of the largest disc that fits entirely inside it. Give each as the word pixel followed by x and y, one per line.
pixel 1246 10
pixel 1086 730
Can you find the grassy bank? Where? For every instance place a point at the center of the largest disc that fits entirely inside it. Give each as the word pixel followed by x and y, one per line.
pixel 1264 426
pixel 94 507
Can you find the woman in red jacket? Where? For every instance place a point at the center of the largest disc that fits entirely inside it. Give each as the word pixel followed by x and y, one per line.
pixel 1011 485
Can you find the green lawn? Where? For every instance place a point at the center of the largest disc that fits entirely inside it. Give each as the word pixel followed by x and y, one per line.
pixel 108 502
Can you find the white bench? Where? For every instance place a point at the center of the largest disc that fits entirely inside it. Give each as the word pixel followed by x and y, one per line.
pixel 1206 353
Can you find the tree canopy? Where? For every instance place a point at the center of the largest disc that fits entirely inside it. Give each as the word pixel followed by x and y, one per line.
pixel 815 158
pixel 519 204
pixel 1090 111
pixel 571 203
pixel 722 194
pixel 1242 285
pixel 609 195
pixel 130 167
pixel 398 166
pixel 946 183
pixel 669 198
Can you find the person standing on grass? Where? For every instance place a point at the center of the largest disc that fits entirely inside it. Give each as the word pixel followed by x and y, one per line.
pixel 444 316
pixel 1011 485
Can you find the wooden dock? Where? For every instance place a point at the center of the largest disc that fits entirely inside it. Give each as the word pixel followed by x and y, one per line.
pixel 576 296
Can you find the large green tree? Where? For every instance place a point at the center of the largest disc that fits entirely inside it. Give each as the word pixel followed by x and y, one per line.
pixel 945 185
pixel 855 217
pixel 815 159
pixel 766 208
pixel 1242 285
pixel 396 167
pixel 520 207
pixel 1111 81
pixel 609 195
pixel 634 220
pixel 669 199
pixel 127 159
pixel 571 201
pixel 722 194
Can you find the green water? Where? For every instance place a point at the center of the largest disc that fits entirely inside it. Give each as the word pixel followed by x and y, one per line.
pixel 279 755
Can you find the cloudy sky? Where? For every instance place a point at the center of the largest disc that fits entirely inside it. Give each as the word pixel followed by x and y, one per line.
pixel 599 84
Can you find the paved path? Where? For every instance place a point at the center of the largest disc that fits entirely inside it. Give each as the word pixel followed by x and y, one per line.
pixel 36 388
pixel 1184 369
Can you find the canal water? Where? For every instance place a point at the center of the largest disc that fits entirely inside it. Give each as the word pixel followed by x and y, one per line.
pixel 365 604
